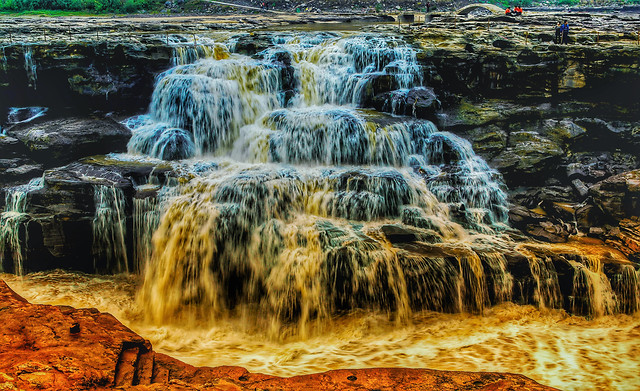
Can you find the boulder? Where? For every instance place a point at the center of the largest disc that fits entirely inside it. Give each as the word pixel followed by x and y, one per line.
pixel 528 159
pixel 618 196
pixel 57 142
pixel 420 102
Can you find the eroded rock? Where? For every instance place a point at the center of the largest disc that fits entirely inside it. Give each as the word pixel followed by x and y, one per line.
pixel 57 142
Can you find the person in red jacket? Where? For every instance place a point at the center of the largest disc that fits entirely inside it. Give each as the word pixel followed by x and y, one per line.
pixel 508 11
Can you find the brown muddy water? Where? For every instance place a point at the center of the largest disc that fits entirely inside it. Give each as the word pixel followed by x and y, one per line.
pixel 550 346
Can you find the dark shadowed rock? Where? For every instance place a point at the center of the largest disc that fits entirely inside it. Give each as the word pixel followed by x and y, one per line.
pixel 15 165
pixel 420 102
pixel 619 195
pixel 57 142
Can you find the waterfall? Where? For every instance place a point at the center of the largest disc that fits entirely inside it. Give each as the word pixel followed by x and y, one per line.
pixel 19 115
pixel 311 205
pixel 592 293
pixel 109 230
pixel 30 66
pixel 626 286
pixel 297 220
pixel 11 220
pixel 3 59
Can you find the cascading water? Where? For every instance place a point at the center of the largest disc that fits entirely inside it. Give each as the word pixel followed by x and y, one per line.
pixel 592 293
pixel 3 58
pixel 30 66
pixel 11 222
pixel 109 229
pixel 269 232
pixel 305 211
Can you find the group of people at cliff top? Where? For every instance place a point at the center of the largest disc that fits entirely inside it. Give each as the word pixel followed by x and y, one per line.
pixel 562 33
pixel 515 11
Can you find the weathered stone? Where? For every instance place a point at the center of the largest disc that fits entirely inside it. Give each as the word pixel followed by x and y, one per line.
pixel 626 238
pixel 528 159
pixel 595 166
pixel 57 142
pixel 562 131
pixel 580 187
pixel 488 141
pixel 619 195
pixel 538 225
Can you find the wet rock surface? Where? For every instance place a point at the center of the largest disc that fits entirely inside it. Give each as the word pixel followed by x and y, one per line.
pixel 54 143
pixel 60 347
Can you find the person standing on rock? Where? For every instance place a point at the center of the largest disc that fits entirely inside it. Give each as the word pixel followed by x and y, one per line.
pixel 565 33
pixel 558 33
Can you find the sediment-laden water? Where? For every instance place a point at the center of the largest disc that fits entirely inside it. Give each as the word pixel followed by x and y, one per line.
pixel 550 346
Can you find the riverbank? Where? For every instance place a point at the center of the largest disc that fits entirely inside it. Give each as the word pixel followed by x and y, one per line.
pixel 62 348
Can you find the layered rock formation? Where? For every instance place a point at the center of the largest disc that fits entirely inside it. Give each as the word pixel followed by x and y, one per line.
pixel 62 348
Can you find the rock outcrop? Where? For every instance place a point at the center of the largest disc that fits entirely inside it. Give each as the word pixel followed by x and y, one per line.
pixel 62 348
pixel 54 143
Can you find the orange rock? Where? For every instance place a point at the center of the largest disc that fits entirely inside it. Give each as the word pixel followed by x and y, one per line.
pixel 62 348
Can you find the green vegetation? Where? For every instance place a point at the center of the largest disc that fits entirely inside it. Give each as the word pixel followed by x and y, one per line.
pixel 74 7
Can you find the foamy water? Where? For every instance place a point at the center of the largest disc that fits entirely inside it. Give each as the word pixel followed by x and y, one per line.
pixel 553 348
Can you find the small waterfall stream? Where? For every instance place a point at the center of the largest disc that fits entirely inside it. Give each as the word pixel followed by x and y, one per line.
pixel 109 229
pixel 13 233
pixel 30 66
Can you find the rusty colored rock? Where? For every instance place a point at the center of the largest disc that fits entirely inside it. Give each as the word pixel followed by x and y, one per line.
pixel 38 351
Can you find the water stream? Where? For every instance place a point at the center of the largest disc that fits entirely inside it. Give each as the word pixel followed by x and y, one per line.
pixel 568 352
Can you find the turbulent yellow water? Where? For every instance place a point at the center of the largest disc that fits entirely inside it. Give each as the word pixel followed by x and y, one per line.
pixel 571 353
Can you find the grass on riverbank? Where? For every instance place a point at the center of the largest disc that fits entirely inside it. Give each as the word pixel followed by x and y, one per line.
pixel 47 13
